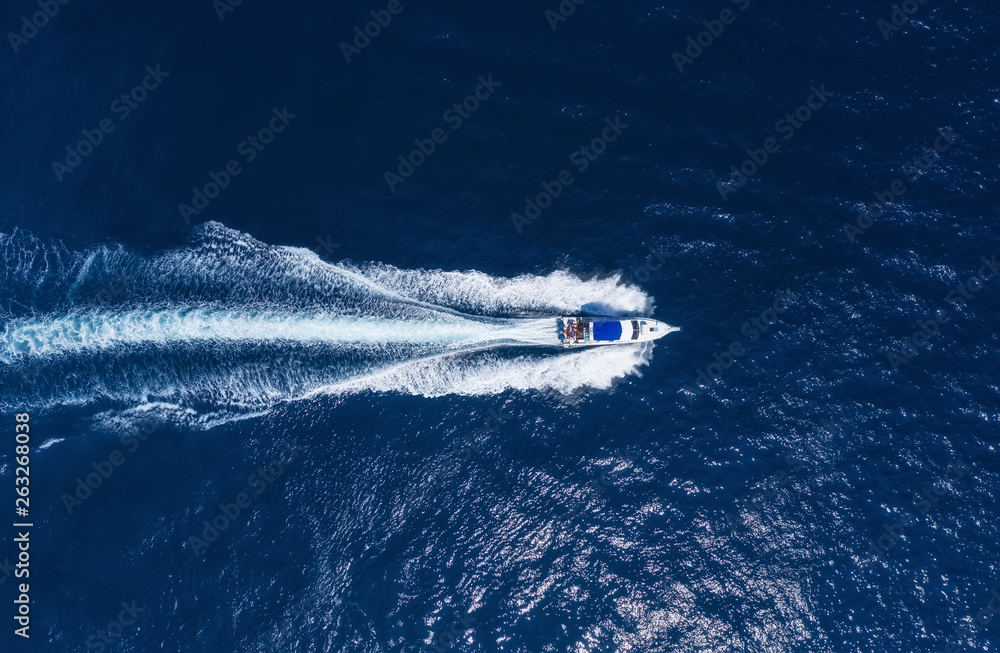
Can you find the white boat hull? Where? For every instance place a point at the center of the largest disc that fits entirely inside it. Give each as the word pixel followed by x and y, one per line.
pixel 597 331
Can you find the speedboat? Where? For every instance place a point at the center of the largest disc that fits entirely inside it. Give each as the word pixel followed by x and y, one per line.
pixel 586 331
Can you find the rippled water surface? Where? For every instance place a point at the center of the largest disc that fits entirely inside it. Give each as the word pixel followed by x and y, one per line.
pixel 327 411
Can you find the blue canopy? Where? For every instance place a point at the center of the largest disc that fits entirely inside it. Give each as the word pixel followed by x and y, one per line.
pixel 607 330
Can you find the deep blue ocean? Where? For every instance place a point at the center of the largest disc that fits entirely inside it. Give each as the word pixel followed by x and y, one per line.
pixel 276 308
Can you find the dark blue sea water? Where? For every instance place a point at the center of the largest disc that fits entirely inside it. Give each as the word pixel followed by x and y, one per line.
pixel 275 296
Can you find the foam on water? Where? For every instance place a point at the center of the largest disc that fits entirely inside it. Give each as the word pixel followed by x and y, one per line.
pixel 230 326
pixel 489 374
pixel 474 291
pixel 103 331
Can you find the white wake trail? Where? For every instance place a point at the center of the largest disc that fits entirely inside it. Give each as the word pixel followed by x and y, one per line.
pixel 227 326
pixel 108 331
pixel 598 368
